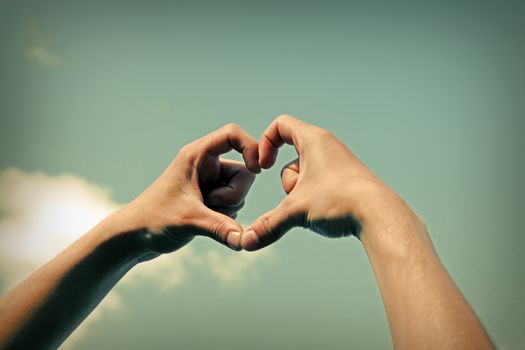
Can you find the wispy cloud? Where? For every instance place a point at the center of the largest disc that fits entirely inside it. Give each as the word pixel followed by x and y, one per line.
pixel 41 214
pixel 38 49
pixel 41 54
pixel 233 268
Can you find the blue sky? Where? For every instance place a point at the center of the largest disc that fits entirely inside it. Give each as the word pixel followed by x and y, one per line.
pixel 97 97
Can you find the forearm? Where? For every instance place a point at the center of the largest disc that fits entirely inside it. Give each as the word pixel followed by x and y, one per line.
pixel 46 307
pixel 424 307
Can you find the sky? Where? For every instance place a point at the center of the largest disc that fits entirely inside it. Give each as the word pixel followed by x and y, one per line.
pixel 97 97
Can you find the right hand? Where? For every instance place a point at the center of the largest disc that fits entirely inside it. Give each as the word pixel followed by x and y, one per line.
pixel 330 191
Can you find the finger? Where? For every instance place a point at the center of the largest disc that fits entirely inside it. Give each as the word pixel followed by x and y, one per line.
pixel 228 210
pixel 230 137
pixel 237 182
pixel 284 129
pixel 270 227
pixel 220 227
pixel 289 175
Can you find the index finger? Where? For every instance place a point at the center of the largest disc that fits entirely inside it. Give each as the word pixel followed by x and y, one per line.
pixel 232 136
pixel 284 129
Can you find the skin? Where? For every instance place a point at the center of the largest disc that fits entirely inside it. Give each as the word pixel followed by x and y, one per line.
pixel 198 194
pixel 424 307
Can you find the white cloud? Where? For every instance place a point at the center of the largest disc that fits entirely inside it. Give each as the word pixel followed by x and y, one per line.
pixel 168 272
pixel 40 215
pixel 41 54
pixel 233 268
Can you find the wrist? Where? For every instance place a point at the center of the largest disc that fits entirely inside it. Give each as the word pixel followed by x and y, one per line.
pixel 127 234
pixel 148 236
pixel 390 227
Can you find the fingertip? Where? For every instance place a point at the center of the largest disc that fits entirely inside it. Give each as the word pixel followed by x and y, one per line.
pixel 251 159
pixel 267 162
pixel 217 226
pixel 267 154
pixel 250 240
pixel 233 240
pixel 254 167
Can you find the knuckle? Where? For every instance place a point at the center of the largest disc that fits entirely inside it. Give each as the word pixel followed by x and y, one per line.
pixel 324 135
pixel 283 117
pixel 215 228
pixel 227 198
pixel 186 150
pixel 234 200
pixel 270 233
pixel 232 127
pixel 324 132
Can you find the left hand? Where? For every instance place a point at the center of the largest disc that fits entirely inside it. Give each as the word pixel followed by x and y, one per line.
pixel 198 194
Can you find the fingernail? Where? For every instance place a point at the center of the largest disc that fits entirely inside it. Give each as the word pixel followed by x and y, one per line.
pixel 234 240
pixel 250 240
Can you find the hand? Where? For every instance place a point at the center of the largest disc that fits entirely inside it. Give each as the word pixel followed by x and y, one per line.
pixel 198 194
pixel 329 190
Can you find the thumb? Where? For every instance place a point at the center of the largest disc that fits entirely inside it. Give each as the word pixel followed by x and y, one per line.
pixel 271 226
pixel 218 226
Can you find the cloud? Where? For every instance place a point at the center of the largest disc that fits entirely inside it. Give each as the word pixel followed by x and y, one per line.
pixel 40 215
pixel 233 268
pixel 167 272
pixel 42 55
pixel 36 43
pixel 111 303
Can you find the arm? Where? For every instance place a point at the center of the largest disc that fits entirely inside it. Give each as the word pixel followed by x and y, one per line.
pixel 46 307
pixel 331 192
